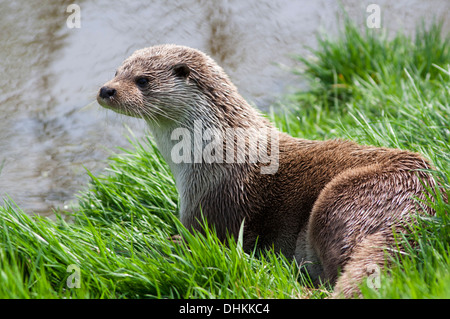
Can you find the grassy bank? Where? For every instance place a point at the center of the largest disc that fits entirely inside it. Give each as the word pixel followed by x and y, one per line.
pixel 364 87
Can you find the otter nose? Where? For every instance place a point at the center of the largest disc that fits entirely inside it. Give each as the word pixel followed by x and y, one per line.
pixel 107 92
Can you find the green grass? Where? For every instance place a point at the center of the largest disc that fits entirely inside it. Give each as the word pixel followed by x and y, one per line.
pixel 364 87
pixel 120 239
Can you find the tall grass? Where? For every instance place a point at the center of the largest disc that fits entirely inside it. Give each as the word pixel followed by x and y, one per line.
pixel 120 238
pixel 371 56
pixel 364 87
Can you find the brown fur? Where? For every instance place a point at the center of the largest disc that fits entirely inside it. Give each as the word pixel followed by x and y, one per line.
pixel 332 205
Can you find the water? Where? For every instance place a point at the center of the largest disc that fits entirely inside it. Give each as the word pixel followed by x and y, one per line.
pixel 51 128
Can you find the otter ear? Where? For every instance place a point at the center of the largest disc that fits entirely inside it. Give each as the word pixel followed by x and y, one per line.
pixel 181 70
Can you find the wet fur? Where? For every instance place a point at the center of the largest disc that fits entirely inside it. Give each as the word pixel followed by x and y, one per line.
pixel 332 205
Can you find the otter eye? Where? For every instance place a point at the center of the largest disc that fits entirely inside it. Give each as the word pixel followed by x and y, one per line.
pixel 142 82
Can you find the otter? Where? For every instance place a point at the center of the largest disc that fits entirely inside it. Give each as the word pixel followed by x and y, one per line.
pixel 333 205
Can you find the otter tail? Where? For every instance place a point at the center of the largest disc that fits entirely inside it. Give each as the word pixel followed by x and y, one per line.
pixel 363 267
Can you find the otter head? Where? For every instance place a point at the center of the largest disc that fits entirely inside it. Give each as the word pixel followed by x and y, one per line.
pixel 163 83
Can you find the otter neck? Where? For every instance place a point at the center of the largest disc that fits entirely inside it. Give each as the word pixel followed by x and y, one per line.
pixel 186 144
pixel 204 123
pixel 182 145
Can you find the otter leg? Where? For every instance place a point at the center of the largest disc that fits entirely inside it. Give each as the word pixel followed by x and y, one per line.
pixel 306 258
pixel 353 221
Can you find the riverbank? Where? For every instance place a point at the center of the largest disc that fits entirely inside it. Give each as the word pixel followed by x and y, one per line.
pixel 364 87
